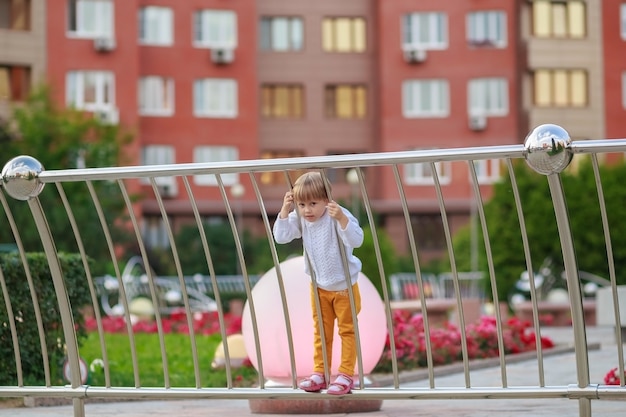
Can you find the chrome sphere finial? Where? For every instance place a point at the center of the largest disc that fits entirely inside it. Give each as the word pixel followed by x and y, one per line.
pixel 548 149
pixel 20 177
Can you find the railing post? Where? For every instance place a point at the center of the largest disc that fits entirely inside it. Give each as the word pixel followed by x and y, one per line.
pixel 548 151
pixel 20 177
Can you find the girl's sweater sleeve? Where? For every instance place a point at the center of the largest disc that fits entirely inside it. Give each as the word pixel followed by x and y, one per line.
pixel 288 229
pixel 352 235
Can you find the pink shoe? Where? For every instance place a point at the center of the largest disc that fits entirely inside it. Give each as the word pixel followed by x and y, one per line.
pixel 342 385
pixel 315 383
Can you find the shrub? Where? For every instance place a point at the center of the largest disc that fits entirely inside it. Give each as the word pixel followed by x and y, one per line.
pixel 21 303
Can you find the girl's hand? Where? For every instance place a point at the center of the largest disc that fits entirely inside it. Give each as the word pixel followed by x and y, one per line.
pixel 335 211
pixel 287 204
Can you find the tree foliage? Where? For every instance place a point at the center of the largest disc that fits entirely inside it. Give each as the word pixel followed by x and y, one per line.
pixel 63 139
pixel 581 193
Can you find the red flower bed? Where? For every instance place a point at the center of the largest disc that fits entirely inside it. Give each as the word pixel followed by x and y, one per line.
pixel 481 337
pixel 203 323
pixel 612 377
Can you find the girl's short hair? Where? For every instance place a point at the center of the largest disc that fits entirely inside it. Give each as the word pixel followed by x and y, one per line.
pixel 310 186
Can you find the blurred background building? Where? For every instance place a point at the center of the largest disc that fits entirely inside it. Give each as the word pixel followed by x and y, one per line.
pixel 220 80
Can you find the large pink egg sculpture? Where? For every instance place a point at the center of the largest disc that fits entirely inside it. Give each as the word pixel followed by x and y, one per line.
pixel 272 330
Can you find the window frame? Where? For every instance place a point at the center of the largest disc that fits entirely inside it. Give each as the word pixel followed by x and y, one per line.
pixel 415 174
pixel 163 19
pixel 487 171
pixel 555 79
pixel 292 109
pixel 550 27
pixel 489 18
pixel 357 34
pixel 103 10
pixel 414 112
pixel 104 80
pixel 215 153
pixel 492 90
pixel 227 107
pixel 409 20
pixel 358 98
pixel 268 33
pixel 164 92
pixel 226 28
pixel 157 154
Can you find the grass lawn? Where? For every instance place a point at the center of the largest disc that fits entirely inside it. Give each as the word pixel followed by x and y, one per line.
pixel 150 363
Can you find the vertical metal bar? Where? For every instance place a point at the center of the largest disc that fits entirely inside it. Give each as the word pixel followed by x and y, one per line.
pixel 33 296
pixel 151 284
pixel 246 281
pixel 420 283
pixel 122 290
pixel 83 256
pixel 346 269
pixel 181 283
pixel 65 310
pixel 529 268
pixel 279 276
pixel 611 265
pixel 129 327
pixel 455 274
pixel 573 289
pixel 216 291
pixel 492 273
pixel 316 298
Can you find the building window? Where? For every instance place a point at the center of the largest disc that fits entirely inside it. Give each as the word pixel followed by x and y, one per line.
pixel 161 155
pixel 156 26
pixel 278 177
pixel 487 29
pixel 282 101
pixel 428 231
pixel 281 34
pixel 622 12
pixel 487 170
pixel 425 30
pixel 215 98
pixel 215 154
pixel 15 14
pixel 14 82
pixel 215 29
pixel 422 173
pixel 90 90
pixel 560 88
pixel 488 97
pixel 91 18
pixel 559 18
pixel 425 98
pixel 346 101
pixel 154 232
pixel 156 96
pixel 344 34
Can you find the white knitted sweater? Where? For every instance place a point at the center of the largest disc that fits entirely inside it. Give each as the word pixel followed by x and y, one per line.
pixel 321 246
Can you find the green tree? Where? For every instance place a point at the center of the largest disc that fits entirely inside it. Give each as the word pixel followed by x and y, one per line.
pixel 581 195
pixel 63 139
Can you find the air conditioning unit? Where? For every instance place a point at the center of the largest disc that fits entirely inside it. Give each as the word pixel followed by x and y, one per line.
pixel 415 55
pixel 478 122
pixel 167 190
pixel 107 117
pixel 104 44
pixel 222 55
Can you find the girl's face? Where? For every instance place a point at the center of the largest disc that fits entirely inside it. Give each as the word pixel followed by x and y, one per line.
pixel 311 210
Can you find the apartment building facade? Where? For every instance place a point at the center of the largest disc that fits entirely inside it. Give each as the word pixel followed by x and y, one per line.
pixel 216 80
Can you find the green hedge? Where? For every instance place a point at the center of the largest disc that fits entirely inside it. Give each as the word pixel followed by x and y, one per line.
pixel 26 324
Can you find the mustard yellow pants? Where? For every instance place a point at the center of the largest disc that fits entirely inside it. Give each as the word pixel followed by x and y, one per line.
pixel 335 305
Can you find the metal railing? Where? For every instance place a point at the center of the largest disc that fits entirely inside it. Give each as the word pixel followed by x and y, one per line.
pixel 548 149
